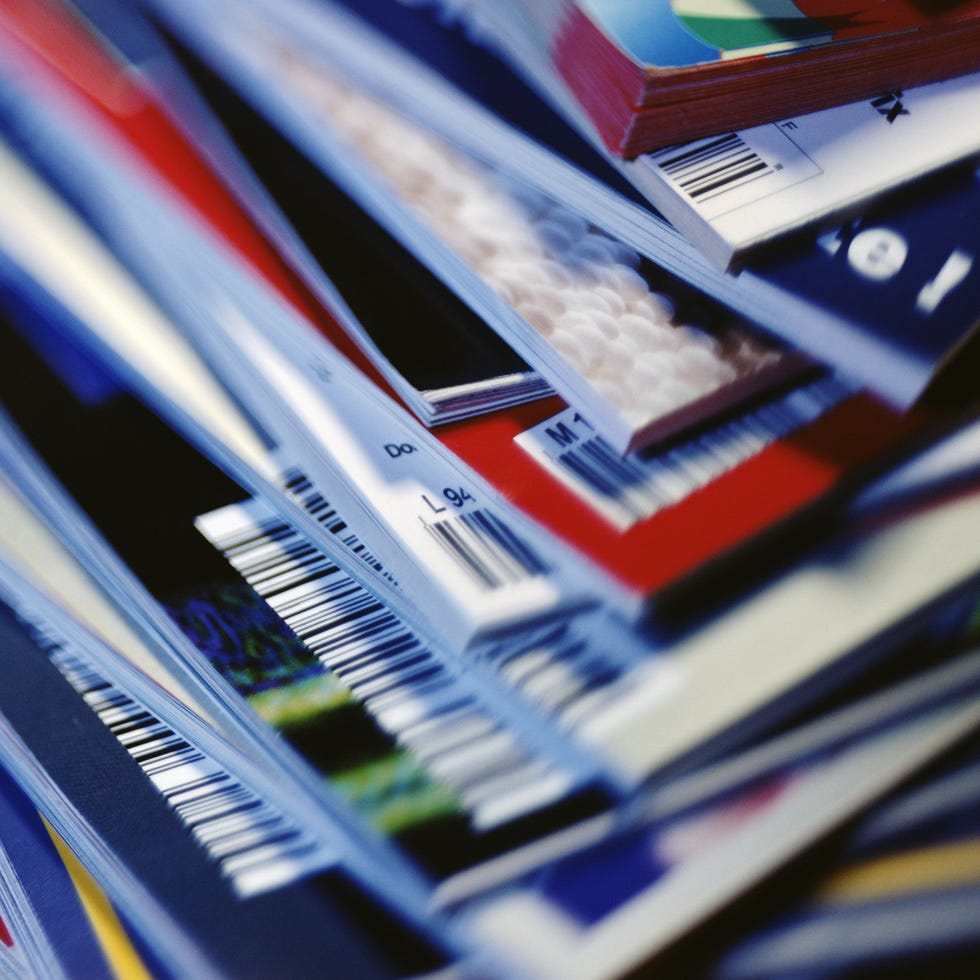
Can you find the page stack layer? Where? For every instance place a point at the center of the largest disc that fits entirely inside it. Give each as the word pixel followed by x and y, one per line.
pixel 236 843
pixel 622 516
pixel 441 755
pixel 571 301
pixel 511 571
pixel 617 513
pixel 773 793
pixel 306 840
pixel 313 684
pixel 650 753
pixel 479 373
pixel 891 288
pixel 646 78
pixel 731 191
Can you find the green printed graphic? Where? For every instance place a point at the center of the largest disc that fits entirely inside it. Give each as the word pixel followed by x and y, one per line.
pixel 257 653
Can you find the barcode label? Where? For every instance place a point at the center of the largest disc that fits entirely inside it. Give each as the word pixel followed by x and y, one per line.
pixel 722 173
pixel 713 166
pixel 251 841
pixel 398 479
pixel 486 548
pixel 626 490
pixel 299 487
pixel 436 713
pixel 563 670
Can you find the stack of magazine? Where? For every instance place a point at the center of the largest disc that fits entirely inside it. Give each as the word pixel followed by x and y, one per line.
pixel 449 527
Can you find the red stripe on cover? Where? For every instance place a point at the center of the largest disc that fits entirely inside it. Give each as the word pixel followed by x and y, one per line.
pixel 67 52
pixel 773 484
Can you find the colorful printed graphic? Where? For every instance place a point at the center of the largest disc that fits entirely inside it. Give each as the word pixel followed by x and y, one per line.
pixel 678 33
pixel 268 664
pixel 736 25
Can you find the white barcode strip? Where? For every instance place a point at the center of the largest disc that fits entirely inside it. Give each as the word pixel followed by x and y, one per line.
pixel 438 715
pixel 483 545
pixel 709 168
pixel 299 487
pixel 557 669
pixel 252 842
pixel 638 486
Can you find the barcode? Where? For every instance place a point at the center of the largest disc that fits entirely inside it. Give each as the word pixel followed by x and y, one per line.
pixel 560 670
pixel 708 168
pixel 439 715
pixel 486 548
pixel 252 842
pixel 299 487
pixel 637 486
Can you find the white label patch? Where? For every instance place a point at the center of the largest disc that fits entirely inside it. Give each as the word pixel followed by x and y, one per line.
pixel 722 173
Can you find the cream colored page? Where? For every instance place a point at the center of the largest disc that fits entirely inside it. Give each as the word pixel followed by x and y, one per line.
pixel 810 618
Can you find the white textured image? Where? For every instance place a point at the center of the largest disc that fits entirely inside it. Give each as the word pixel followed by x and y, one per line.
pixel 575 286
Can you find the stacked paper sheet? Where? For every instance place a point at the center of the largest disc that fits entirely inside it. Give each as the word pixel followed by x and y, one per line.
pixel 335 643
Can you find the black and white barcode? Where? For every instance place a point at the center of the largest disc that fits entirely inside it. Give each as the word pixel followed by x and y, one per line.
pixel 299 487
pixel 487 548
pixel 707 168
pixel 640 485
pixel 561 670
pixel 251 841
pixel 437 713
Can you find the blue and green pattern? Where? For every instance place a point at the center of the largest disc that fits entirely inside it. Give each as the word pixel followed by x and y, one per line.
pixel 265 662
